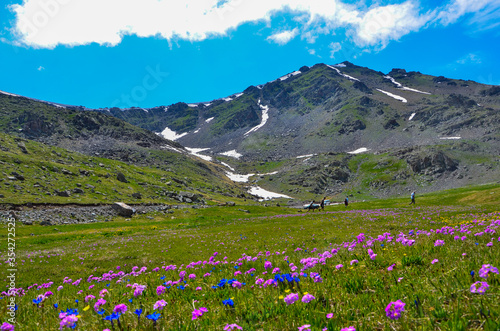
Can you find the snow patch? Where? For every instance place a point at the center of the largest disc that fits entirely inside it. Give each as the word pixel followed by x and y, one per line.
pixel 227 165
pixel 207 104
pixel 7 93
pixel 238 178
pixel 238 95
pixel 227 99
pixel 397 97
pixel 196 131
pixel 209 119
pixel 339 65
pixel 303 156
pixel 232 153
pixel 265 194
pixel 265 117
pixel 289 75
pixel 450 138
pixel 342 74
pixel 359 150
pixel 411 116
pixel 192 105
pixel 399 85
pixel 196 151
pixel 172 135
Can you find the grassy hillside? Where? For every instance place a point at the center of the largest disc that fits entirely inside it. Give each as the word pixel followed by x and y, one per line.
pixel 35 173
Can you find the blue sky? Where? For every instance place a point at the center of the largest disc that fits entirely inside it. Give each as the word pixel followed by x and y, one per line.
pixel 148 53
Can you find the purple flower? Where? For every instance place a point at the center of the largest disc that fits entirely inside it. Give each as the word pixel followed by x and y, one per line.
pixel 351 328
pixel 291 298
pixel 389 268
pixel 354 261
pixel 338 266
pixel 479 287
pixel 7 327
pixel 160 290
pixel 486 269
pixel 68 321
pixel 230 327
pixel 439 243
pixel 192 276
pixel 268 265
pixel 99 303
pixel 394 309
pixel 434 261
pixel 160 304
pixel 308 298
pixel 121 308
pixel 329 315
pixel 304 327
pixel 199 312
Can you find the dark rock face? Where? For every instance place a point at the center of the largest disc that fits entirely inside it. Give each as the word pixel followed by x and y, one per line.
pixel 491 92
pixel 362 87
pixel 438 162
pixel 458 100
pixel 391 124
pixel 350 126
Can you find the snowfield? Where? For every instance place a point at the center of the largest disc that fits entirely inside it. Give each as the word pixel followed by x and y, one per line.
pixel 172 135
pixel 232 153
pixel 397 97
pixel 359 150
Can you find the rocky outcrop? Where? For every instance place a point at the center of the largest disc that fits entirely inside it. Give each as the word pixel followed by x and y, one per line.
pixel 436 162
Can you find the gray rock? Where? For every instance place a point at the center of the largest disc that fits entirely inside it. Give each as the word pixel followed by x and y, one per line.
pixel 22 147
pixel 137 195
pixel 46 223
pixel 123 209
pixel 121 177
pixel 17 175
pixel 65 194
pixel 78 191
pixel 27 222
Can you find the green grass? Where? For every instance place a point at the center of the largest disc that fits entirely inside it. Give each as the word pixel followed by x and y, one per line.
pixel 437 296
pixel 97 177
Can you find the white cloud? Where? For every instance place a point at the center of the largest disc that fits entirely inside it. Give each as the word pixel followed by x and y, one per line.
pixel 334 48
pixel 383 24
pixel 470 58
pixel 458 8
pixel 311 51
pixel 284 37
pixel 48 23
pixel 40 68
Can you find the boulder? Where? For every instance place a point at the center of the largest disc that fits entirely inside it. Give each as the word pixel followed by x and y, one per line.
pixel 64 194
pixel 123 209
pixel 17 175
pixel 137 195
pixel 121 177
pixel 46 223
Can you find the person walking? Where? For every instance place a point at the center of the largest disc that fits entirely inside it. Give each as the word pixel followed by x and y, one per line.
pixel 346 201
pixel 322 204
pixel 412 196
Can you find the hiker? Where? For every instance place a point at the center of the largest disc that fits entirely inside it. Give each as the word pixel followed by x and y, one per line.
pixel 346 201
pixel 322 204
pixel 412 196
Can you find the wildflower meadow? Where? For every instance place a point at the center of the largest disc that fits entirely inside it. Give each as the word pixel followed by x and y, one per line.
pixel 401 268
